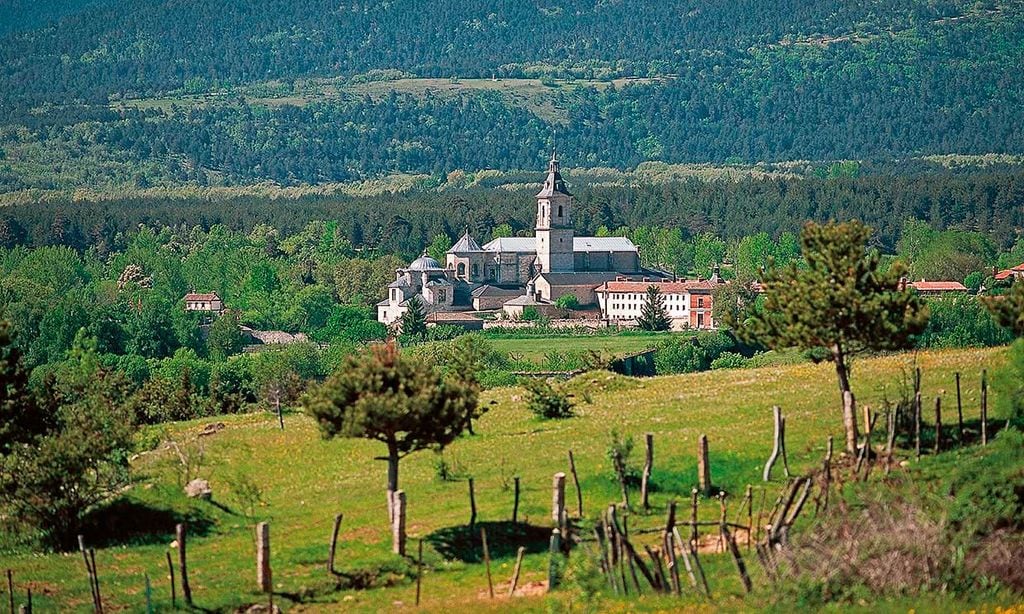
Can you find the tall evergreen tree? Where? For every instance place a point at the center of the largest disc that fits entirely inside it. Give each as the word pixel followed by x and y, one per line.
pixel 653 315
pixel 414 320
pixel 841 302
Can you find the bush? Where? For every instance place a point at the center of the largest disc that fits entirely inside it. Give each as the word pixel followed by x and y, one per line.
pixel 530 314
pixel 961 321
pixel 1008 384
pixel 546 400
pixel 568 301
pixel 729 360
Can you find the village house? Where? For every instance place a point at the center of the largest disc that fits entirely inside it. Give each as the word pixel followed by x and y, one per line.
pixel 689 302
pixel 206 303
pixel 1011 274
pixel 935 288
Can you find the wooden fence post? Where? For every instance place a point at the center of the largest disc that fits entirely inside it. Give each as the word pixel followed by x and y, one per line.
pixel 648 467
pixel 558 500
pixel 263 578
pixel 419 573
pixel 398 526
pixel 170 570
pixel 515 571
pixel 555 551
pixel 515 504
pixel 186 591
pixel 917 425
pixel 959 411
pixel 576 483
pixel 487 561
pixel 472 505
pixel 149 595
pixel 938 424
pixel 776 444
pixel 10 588
pixel 984 407
pixel 334 543
pixel 96 604
pixel 703 465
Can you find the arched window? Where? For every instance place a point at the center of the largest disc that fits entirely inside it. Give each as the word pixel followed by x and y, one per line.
pixel 559 210
pixel 461 269
pixel 476 271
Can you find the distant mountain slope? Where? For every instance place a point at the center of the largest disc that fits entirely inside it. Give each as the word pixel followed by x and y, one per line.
pixel 18 15
pixel 277 90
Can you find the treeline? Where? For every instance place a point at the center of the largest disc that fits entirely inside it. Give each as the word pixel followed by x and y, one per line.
pixel 989 203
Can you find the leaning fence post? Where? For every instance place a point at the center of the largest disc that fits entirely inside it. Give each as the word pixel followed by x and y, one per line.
pixel 149 595
pixel 576 483
pixel 88 570
pixel 186 591
pixel 703 466
pixel 472 505
pixel 398 527
pixel 334 543
pixel 776 444
pixel 938 424
pixel 515 571
pixel 487 561
pixel 917 426
pixel 263 579
pixel 96 580
pixel 558 499
pixel 419 573
pixel 170 571
pixel 648 467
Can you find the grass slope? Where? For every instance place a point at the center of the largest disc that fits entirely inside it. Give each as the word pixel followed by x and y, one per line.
pixel 307 480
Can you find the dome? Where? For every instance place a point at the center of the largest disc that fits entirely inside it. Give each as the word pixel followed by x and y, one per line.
pixel 425 263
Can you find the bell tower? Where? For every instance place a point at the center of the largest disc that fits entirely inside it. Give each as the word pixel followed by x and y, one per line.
pixel 554 230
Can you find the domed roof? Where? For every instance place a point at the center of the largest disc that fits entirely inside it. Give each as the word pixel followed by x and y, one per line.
pixel 425 263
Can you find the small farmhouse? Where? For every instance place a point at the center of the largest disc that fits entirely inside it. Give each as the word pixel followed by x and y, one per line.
pixel 206 303
pixel 936 288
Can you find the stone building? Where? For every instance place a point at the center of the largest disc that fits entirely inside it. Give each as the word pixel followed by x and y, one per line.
pixel 518 272
pixel 689 303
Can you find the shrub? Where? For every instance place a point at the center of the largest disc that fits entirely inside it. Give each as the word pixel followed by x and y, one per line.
pixel 568 301
pixel 546 400
pixel 729 360
pixel 530 314
pixel 1008 384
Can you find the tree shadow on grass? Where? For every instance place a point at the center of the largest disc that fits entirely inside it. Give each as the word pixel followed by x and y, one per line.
pixel 129 522
pixel 504 538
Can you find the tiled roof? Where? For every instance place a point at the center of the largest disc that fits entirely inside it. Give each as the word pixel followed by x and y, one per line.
pixel 1010 272
pixel 579 279
pixel 938 286
pixel 489 290
pixel 666 287
pixel 193 296
pixel 465 245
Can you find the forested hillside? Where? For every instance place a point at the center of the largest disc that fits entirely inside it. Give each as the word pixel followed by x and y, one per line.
pixel 230 92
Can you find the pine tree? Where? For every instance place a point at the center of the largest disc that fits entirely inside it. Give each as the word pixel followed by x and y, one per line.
pixel 414 321
pixel 653 315
pixel 841 302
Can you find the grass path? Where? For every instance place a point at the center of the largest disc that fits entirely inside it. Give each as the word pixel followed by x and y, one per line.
pixel 307 480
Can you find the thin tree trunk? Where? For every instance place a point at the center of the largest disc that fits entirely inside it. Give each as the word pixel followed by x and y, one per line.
pixel 392 459
pixel 849 407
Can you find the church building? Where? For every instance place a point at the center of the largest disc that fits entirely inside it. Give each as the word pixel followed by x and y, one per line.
pixel 519 271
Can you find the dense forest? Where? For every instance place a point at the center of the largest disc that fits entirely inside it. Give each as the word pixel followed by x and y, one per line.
pixel 987 202
pixel 720 82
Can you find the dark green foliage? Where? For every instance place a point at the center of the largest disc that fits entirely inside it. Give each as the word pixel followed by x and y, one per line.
pixel 546 400
pixel 225 337
pixel 620 449
pixel 20 418
pixel 961 321
pixel 1008 384
pixel 568 301
pixel 653 316
pixel 988 487
pixel 413 322
pixel 399 400
pixel 53 477
pixel 1008 309
pixel 692 353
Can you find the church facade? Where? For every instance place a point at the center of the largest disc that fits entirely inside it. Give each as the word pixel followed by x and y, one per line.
pixel 518 271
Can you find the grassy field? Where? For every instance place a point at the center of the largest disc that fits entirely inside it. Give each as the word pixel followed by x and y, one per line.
pixel 306 481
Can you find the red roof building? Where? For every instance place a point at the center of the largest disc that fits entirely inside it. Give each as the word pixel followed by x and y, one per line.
pixel 689 302
pixel 1013 272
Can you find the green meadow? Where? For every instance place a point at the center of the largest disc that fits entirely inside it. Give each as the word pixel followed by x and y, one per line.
pixel 297 482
